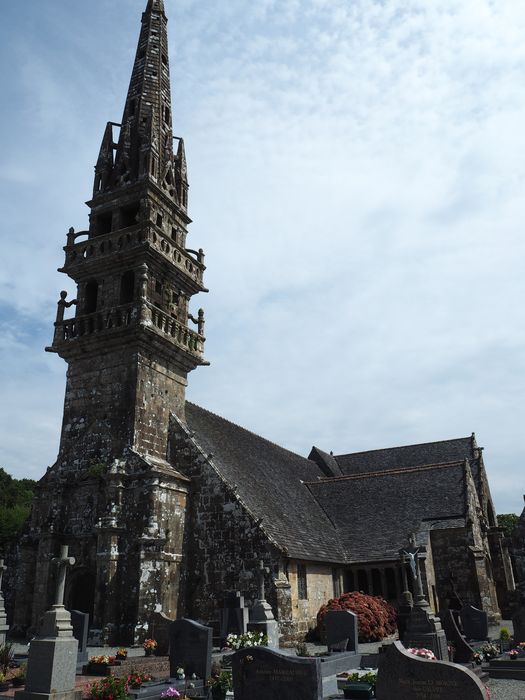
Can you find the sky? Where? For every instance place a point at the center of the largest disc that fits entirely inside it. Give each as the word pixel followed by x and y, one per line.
pixel 357 181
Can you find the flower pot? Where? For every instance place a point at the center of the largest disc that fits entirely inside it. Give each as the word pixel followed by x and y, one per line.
pixel 218 694
pixel 149 652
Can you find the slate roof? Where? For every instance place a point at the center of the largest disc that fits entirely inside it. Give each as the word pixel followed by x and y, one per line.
pixel 373 513
pixel 268 481
pixel 406 456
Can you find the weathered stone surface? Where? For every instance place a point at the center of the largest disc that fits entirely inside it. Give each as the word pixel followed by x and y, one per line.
pixel 264 674
pixel 475 622
pixel 190 648
pixel 341 630
pixel 403 676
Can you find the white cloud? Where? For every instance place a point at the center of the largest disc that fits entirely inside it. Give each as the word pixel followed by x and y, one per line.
pixel 356 181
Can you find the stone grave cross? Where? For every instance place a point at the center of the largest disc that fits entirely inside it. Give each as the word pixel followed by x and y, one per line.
pixel 63 561
pixel 260 579
pixel 410 557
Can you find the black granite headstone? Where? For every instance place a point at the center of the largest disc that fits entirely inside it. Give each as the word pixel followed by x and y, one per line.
pixel 341 630
pixel 475 622
pixel 463 652
pixel 190 648
pixel 264 674
pixel 403 676
pixel 425 630
pixel 80 624
pixel 518 623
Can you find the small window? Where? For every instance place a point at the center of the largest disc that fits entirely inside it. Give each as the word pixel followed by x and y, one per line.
pixel 167 115
pixel 104 223
pixel 127 287
pixel 90 297
pixel 158 286
pixel 302 588
pixel 132 107
pixel 159 220
pixel 173 233
pixel 128 215
pixel 336 582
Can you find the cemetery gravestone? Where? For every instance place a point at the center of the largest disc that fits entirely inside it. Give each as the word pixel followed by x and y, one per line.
pixel 406 604
pixel 424 630
pixel 518 623
pixel 475 622
pixel 159 630
pixel 341 630
pixel 403 676
pixel 80 624
pixel 190 648
pixel 463 652
pixel 234 616
pixel 261 617
pixel 264 674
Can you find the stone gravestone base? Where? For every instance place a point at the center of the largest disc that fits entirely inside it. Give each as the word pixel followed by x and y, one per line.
pixel 262 620
pixel 424 630
pixel 263 674
pixel 503 667
pixel 402 676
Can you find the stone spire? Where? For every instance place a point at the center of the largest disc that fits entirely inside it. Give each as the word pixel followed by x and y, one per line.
pixel 144 149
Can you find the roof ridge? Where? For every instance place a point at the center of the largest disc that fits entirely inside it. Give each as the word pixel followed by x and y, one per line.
pixel 383 472
pixel 400 447
pixel 251 432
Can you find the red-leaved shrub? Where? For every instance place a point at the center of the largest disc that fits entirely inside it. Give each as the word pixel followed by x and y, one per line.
pixel 376 619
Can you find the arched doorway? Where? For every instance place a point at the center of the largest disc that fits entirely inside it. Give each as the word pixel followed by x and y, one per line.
pixel 82 592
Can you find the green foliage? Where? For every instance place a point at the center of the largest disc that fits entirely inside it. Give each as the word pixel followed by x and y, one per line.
pixel 6 656
pixel 504 634
pixel 507 522
pixel 16 496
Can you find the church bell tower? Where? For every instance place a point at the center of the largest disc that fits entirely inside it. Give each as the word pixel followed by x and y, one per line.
pixel 129 339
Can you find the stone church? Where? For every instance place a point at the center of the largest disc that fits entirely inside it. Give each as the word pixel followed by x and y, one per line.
pixel 166 506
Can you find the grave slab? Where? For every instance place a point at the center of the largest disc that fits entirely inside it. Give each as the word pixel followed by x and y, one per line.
pixel 264 674
pixel 341 630
pixel 475 623
pixel 403 676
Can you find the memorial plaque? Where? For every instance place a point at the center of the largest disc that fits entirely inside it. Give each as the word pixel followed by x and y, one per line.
pixel 341 630
pixel 190 648
pixel 264 674
pixel 475 622
pixel 403 676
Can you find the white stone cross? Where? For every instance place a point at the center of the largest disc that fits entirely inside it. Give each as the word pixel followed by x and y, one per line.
pixel 262 570
pixel 63 561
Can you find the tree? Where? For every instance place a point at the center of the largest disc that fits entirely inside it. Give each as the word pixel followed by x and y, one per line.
pixel 16 496
pixel 508 522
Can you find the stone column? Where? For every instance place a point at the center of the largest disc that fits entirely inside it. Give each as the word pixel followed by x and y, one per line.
pixel 4 628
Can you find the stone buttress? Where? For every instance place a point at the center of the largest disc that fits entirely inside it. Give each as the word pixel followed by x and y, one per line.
pixel 112 496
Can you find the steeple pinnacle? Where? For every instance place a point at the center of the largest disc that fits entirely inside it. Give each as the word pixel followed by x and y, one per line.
pixel 144 151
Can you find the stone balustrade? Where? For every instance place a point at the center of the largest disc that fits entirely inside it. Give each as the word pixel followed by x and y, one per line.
pixel 191 262
pixel 117 317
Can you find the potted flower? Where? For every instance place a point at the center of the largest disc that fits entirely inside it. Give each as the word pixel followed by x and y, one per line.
pixel 170 693
pixel 478 657
pixel 19 678
pixel 490 651
pixel 122 654
pixel 220 684
pixel 513 654
pixel 149 646
pixel 109 688
pixel 357 685
pixel 135 680
pixel 100 665
pixel 423 653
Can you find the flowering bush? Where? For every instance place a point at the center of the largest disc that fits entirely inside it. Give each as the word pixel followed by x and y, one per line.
pixel 423 653
pixel 103 660
pixel 170 693
pixel 376 619
pixel 109 688
pixel 135 680
pixel 490 651
pixel 513 653
pixel 250 639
